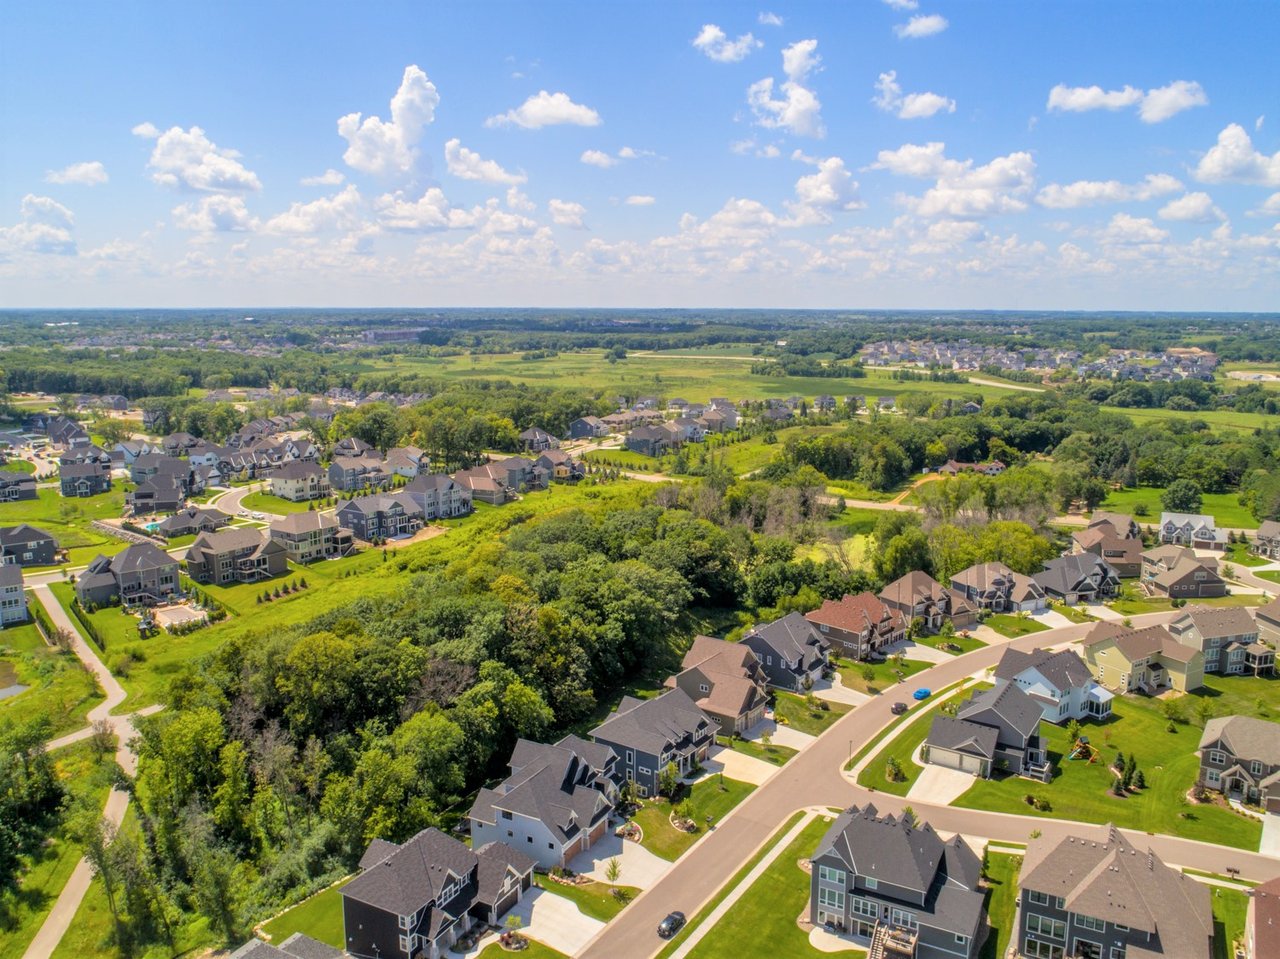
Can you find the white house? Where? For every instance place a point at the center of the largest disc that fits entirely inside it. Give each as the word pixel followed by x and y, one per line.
pixel 1059 682
pixel 1191 529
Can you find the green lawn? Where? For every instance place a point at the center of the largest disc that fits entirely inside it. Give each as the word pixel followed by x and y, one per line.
pixel 762 923
pixel 1131 601
pixel 792 710
pixel 773 753
pixel 68 520
pixel 1229 907
pixel 594 899
pixel 883 676
pixel 1241 695
pixel 967 644
pixel 713 796
pixel 1013 626
pixel 264 502
pixel 1225 508
pixel 1002 899
pixel 61 689
pixel 1082 790
pixel 535 950
pixel 319 917
pixel 903 746
pixel 1076 614
pixel 18 466
pixel 1239 554
pixel 117 627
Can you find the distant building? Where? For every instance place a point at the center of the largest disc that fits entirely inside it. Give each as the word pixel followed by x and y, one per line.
pixel 13 601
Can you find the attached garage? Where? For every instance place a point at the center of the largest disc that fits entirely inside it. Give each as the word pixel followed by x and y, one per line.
pixel 956 744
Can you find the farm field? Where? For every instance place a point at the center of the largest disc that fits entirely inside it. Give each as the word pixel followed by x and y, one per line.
pixel 1225 508
pixel 1218 419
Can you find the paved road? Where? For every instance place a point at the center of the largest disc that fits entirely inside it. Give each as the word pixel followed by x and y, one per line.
pixel 229 502
pixel 816 778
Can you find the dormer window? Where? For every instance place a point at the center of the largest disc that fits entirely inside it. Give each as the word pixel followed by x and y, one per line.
pixel 704 688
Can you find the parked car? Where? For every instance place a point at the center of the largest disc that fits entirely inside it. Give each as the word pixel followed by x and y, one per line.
pixel 922 693
pixel 671 925
pixel 259 516
pixel 899 708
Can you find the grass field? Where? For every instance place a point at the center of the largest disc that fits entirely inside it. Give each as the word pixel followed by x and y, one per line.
pixel 1082 790
pixel 1229 908
pixel 263 502
pixel 535 950
pixel 594 899
pixel 61 690
pixel 792 710
pixel 1132 602
pixel 1241 695
pixel 1002 901
pixel 773 753
pixel 883 676
pixel 68 520
pixel 1218 419
pixel 319 917
pixel 1239 554
pixel 713 796
pixel 1012 626
pixel 1225 508
pixel 903 746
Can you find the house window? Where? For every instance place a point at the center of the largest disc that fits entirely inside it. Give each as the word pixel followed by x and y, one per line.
pixel 831 898
pixel 631 757
pixel 506 814
pixel 1117 952
pixel 1044 926
pixel 1255 767
pixel 901 917
pixel 645 772
pixel 404 943
pixel 1213 777
pixel 1041 950
pixel 704 688
pixel 1121 928
pixel 1088 922
pixel 870 883
pixel 824 627
pixel 1037 898
pixel 961 940
pixel 404 922
pixel 768 660
pixel 863 907
pixel 1217 758
pixel 834 876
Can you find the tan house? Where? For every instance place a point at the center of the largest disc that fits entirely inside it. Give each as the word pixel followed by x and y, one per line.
pixel 311 536
pixel 299 481
pixel 1228 637
pixel 1268 619
pixel 1177 572
pixel 1122 554
pixel 724 680
pixel 1127 660
pixel 1262 922
pixel 918 595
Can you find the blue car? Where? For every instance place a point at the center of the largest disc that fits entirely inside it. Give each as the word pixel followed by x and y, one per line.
pixel 922 693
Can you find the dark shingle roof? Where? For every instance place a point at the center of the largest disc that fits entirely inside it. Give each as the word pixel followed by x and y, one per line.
pixel 1064 669
pixel 1008 702
pixel 652 725
pixel 961 736
pixel 413 874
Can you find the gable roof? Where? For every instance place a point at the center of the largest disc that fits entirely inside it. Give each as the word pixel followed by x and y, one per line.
pixel 963 736
pixel 1187 566
pixel 140 556
pixel 912 588
pixel 1138 643
pixel 1245 736
pixel 854 614
pixel 22 534
pixel 411 875
pixel 1269 613
pixel 652 725
pixel 304 522
pixel 1219 621
pixel 1064 572
pixel 1010 703
pixel 792 638
pixel 1064 669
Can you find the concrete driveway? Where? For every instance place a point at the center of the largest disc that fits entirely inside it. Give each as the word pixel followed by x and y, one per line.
pixel 834 691
pixel 939 785
pixel 735 765
pixel 640 867
pixel 920 653
pixel 555 921
pixel 1270 845
pixel 780 735
pixel 1052 619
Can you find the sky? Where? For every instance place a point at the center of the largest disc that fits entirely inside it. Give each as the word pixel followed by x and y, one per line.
pixel 844 154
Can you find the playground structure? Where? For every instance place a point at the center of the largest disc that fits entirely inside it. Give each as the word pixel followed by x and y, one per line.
pixel 1083 750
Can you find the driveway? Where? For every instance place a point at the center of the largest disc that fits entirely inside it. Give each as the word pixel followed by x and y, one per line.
pixel 1270 845
pixel 779 735
pixel 640 867
pixel 939 785
pixel 1103 612
pixel 1052 619
pixel 735 765
pixel 834 691
pixel 917 651
pixel 555 921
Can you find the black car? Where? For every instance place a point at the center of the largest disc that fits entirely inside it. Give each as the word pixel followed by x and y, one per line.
pixel 671 925
pixel 899 708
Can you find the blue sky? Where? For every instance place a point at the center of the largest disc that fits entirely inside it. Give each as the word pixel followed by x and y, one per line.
pixel 857 154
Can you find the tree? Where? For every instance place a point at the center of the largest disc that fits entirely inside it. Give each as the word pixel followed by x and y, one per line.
pixel 1182 496
pixel 613 870
pixel 669 780
pixel 1073 731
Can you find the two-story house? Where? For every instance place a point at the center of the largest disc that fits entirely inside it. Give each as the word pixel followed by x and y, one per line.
pixel 439 496
pixel 560 466
pixel 1228 638
pixel 349 473
pixel 899 885
pixel 588 427
pixel 16 486
pixel 141 574
pixel 163 493
pixel 726 681
pixel 1191 529
pixel 859 626
pixel 1059 681
pixel 1127 660
pixel 381 516
pixel 13 601
pixel 1267 618
pixel 649 441
pixel 1262 922
pixel 1240 757
pixel 996 730
pixel 536 439
pixel 300 480
pixel 83 479
pixel 792 651
pixel 1122 553
pixel 25 545
pixel 239 555
pixel 1078 578
pixel 917 595
pixel 1266 542
pixel 1177 572
pixel 995 587
pixel 311 536
pixel 414 900
pixel 1098 897
pixel 650 734
pixel 554 804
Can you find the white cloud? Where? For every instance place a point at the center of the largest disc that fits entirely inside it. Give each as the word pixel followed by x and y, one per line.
pixel 1270 206
pixel 915 160
pixel 713 41
pixel 81 174
pixel 903 4
pixel 962 191
pixel 338 212
pixel 468 165
pixel 768 19
pixel 751 147
pixel 913 106
pixel 188 159
pixel 637 199
pixel 1057 196
pixel 1154 106
pixel 1257 124
pixel 798 110
pixel 1192 208
pixel 214 214
pixel 598 158
pixel 921 25
pixel 46 211
pixel 1233 159
pixel 545 109
pixel 831 189
pixel 327 178
pixel 45 227
pixel 429 213
pixel 518 201
pixel 390 147
pixel 567 213
pixel 1125 230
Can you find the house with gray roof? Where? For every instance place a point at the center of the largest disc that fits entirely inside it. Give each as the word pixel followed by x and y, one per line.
pixel 83 479
pixel 13 601
pixel 792 651
pixel 413 901
pixel 296 946
pixel 16 486
pixel 649 734
pixel 27 545
pixel 299 480
pixel 1078 578
pixel 141 574
pixel 1096 896
pixel 191 521
pixel 439 496
pixel 1191 529
pixel 241 554
pixel 1266 542
pixel 381 516
pixel 1228 637
pixel 311 536
pixel 1059 681
pixel 726 681
pixel 555 803
pixel 898 884
pixel 1240 756
pixel 1014 719
pixel 995 587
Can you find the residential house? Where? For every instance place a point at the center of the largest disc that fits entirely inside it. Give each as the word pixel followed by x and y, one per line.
pixel 1096 896
pixel 1014 718
pixel 413 901
pixel 65 434
pixel 825 403
pixel 518 473
pixel 1176 572
pixel 560 466
pixel 177 444
pixel 899 885
pixel 917 595
pixel 26 545
pixel 1149 659
pixel 296 946
pixel 239 555
pixel 588 427
pixel 439 496
pixel 1228 638
pixel 859 626
pixel 381 516
pixel 792 651
pixel 885 402
pixel 1120 524
pixel 1240 757
pixel 158 494
pixel 478 484
pixel 1191 529
pixel 1262 922
pixel 299 480
pixel 349 473
pixel 650 734
pixel 535 440
pixel 404 461
pixel 191 521
pixel 86 454
pixel 1267 618
pixel 84 479
pixel 16 486
pixel 1122 553
pixel 13 601
pixel 649 441
pixel 311 536
pixel 995 587
pixel 954 467
pixel 1059 681
pixel 141 574
pixel 1266 542
pixel 555 803
pixel 351 446
pixel 724 680
pixel 1078 578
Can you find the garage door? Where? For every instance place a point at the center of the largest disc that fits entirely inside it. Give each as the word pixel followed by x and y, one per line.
pixel 954 760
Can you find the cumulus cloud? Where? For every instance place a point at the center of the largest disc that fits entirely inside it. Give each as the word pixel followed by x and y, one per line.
pixel 187 159
pixel 1233 159
pixel 961 190
pixel 717 46
pixel 46 211
pixel 214 214
pixel 567 213
pixel 545 109
pixel 598 158
pixel 1270 207
pixel 44 227
pixel 830 189
pixel 468 165
pixel 921 25
pixel 639 199
pixel 390 147
pixel 338 212
pixel 798 110
pixel 767 19
pixel 327 178
pixel 1069 196
pixel 752 147
pixel 903 4
pixel 91 173
pixel 1192 208
pixel 429 213
pixel 1127 230
pixel 1154 106
pixel 912 106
